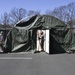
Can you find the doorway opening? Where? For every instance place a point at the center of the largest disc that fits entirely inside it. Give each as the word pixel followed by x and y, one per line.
pixel 43 41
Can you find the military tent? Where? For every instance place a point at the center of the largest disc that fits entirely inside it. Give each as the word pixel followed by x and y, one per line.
pixel 23 35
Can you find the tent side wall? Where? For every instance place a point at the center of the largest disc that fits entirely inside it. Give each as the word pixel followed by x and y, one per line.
pixel 20 40
pixel 64 38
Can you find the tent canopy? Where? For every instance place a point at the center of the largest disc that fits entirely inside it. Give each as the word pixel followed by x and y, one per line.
pixel 22 37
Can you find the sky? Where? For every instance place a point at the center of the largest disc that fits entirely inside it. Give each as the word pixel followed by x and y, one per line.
pixel 36 5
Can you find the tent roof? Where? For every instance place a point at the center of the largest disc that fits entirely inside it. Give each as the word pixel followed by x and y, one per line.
pixel 45 21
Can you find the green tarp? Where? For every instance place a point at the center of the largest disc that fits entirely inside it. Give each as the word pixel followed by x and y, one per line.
pixel 22 37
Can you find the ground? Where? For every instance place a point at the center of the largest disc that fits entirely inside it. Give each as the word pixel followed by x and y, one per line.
pixel 37 64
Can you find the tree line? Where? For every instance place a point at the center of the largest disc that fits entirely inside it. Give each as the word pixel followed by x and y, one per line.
pixel 65 13
pixel 15 15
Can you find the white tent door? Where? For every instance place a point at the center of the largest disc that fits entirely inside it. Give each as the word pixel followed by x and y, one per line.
pixel 47 41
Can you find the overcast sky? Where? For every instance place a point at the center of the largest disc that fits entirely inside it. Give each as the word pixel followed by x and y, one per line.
pixel 40 5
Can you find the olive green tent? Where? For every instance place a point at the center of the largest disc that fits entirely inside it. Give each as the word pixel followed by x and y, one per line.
pixel 22 37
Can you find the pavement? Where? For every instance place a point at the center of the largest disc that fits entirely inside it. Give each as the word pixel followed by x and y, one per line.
pixel 37 64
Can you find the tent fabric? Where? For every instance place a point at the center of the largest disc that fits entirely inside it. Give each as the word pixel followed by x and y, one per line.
pixel 22 37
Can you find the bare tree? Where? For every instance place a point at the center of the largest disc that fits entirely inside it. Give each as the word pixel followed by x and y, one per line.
pixel 71 13
pixel 5 19
pixel 17 14
pixel 59 13
pixel 48 12
pixel 31 12
pixel 65 13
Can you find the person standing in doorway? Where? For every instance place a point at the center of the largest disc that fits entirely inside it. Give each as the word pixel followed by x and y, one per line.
pixel 40 40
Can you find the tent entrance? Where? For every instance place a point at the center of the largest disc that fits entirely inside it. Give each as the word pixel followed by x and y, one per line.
pixel 43 40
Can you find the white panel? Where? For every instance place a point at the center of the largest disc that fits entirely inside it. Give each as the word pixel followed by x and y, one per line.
pixel 47 41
